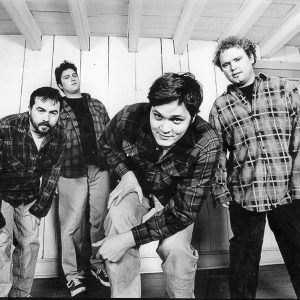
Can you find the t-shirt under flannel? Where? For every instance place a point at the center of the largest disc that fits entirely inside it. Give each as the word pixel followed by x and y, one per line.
pixel 259 165
pixel 181 180
pixel 22 164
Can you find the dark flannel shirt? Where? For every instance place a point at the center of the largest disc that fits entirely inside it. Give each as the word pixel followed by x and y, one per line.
pixel 181 180
pixel 22 164
pixel 259 165
pixel 75 165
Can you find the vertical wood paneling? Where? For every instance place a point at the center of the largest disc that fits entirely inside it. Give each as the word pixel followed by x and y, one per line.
pixel 148 66
pixel 200 58
pixel 172 62
pixel 37 70
pixel 121 75
pixel 94 69
pixel 11 73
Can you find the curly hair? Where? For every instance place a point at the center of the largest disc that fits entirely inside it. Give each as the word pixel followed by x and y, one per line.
pixel 234 42
pixel 65 65
pixel 177 86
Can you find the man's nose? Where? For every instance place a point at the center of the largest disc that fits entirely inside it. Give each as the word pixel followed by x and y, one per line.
pixel 46 117
pixel 165 126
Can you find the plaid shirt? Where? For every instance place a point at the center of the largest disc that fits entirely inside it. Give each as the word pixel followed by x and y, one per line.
pixel 262 140
pixel 22 165
pixel 74 165
pixel 180 181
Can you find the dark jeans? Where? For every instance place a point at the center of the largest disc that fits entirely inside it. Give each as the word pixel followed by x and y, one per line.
pixel 245 246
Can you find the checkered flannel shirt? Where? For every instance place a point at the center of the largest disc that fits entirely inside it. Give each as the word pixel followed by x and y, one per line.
pixel 74 165
pixel 180 181
pixel 259 165
pixel 22 165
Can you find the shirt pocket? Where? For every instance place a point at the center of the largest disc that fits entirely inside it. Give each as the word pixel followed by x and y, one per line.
pixel 131 150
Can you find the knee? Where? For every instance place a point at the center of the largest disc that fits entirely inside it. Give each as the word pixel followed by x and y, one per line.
pixel 178 258
pixel 119 220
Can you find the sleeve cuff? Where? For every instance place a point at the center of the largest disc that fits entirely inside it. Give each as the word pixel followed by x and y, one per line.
pixel 121 169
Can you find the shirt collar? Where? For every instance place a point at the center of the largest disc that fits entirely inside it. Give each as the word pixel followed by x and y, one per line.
pixel 258 77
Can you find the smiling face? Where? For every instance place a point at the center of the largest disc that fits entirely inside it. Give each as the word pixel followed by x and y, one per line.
pixel 70 82
pixel 237 66
pixel 43 115
pixel 169 122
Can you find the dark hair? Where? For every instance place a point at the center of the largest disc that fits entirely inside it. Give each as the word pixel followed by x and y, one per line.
pixel 62 67
pixel 234 42
pixel 177 86
pixel 45 93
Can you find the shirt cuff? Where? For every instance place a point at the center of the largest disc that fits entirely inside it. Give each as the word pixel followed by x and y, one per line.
pixel 121 169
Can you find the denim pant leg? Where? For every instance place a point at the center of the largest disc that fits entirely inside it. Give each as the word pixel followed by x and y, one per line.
pixel 73 193
pixel 285 223
pixel 6 238
pixel 245 250
pixel 25 254
pixel 98 182
pixel 179 263
pixel 124 275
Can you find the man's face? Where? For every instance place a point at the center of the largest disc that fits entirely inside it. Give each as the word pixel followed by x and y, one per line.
pixel 44 115
pixel 169 122
pixel 69 82
pixel 237 66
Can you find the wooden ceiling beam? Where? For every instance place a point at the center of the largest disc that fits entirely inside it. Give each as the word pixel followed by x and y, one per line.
pixel 246 17
pixel 20 13
pixel 80 22
pixel 134 24
pixel 287 29
pixel 187 23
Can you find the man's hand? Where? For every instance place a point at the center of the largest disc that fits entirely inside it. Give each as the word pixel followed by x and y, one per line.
pixel 35 222
pixel 226 204
pixel 128 184
pixel 114 247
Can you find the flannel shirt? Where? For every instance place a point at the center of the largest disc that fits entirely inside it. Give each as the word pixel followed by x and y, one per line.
pixel 259 165
pixel 180 181
pixel 22 165
pixel 74 165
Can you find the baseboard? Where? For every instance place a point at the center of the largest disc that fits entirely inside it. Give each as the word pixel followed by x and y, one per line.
pixel 47 267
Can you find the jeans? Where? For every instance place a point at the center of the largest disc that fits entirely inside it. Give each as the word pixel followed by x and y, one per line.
pixel 18 230
pixel 246 244
pixel 74 194
pixel 179 258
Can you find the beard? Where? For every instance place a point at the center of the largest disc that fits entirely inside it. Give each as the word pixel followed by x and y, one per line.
pixel 42 128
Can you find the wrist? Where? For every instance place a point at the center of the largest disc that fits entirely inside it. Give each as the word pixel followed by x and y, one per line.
pixel 130 242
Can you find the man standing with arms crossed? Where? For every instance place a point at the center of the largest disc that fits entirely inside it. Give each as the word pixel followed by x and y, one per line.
pixel 257 119
pixel 164 155
pixel 31 153
pixel 84 179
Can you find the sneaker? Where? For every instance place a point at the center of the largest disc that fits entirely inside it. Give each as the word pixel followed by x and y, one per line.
pixel 101 276
pixel 76 286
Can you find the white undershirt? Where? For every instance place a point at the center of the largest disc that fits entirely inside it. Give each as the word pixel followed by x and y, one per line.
pixel 38 139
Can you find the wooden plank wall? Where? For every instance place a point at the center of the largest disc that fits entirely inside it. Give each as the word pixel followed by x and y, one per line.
pixel 110 73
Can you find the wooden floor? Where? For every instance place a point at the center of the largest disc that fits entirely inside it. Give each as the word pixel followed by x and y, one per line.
pixel 209 284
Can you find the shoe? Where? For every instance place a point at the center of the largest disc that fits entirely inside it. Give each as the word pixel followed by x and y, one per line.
pixel 76 286
pixel 101 276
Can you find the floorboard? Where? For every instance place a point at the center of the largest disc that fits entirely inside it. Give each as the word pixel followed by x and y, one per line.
pixel 209 284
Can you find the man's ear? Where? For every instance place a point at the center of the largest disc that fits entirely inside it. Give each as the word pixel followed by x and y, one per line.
pixel 60 86
pixel 193 119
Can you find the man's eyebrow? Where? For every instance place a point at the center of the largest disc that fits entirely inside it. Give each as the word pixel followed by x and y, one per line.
pixel 172 117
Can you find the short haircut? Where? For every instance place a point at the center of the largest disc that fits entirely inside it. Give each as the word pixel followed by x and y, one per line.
pixel 177 86
pixel 45 93
pixel 234 42
pixel 65 65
